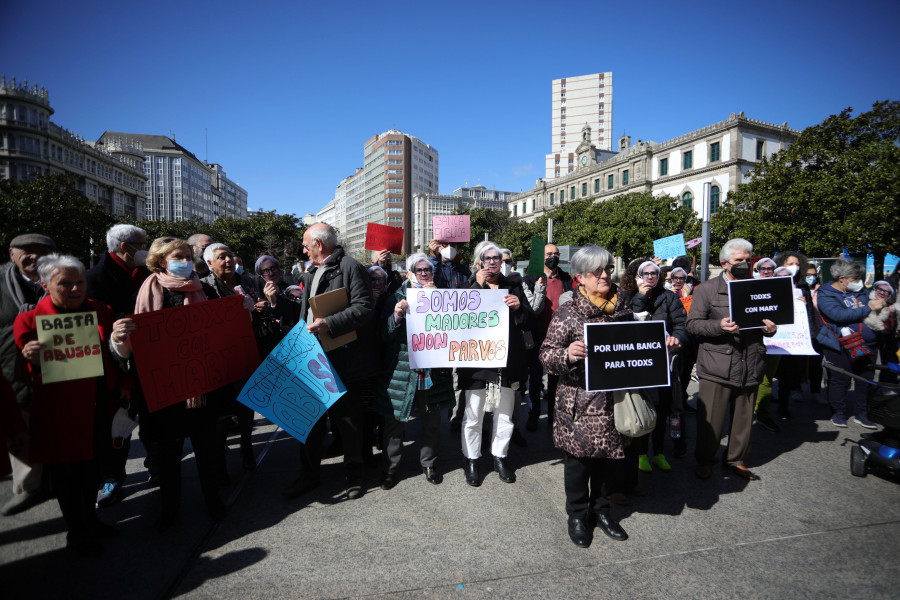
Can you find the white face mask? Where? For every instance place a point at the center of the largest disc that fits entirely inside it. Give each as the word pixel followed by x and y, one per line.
pixel 855 286
pixel 505 269
pixel 448 253
pixel 140 258
pixel 792 268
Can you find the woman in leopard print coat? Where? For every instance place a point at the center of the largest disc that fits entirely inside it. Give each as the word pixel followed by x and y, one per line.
pixel 583 427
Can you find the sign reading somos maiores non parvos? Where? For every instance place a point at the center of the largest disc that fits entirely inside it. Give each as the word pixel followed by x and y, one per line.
pixel 626 356
pixel 457 328
pixel 752 300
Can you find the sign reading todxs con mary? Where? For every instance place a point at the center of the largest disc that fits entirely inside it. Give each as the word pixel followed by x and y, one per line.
pixel 752 300
pixel 456 328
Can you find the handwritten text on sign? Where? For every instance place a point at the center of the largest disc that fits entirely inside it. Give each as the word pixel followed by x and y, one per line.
pixel 669 247
pixel 457 328
pixel 295 385
pixel 384 237
pixel 451 228
pixel 190 350
pixel 72 346
pixel 626 356
pixel 792 339
pixel 752 300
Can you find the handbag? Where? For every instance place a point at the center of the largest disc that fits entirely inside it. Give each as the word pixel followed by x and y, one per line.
pixel 633 413
pixel 854 344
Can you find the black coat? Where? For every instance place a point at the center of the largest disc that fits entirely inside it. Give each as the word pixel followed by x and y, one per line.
pixel 357 359
pixel 666 307
pixel 516 363
pixel 112 285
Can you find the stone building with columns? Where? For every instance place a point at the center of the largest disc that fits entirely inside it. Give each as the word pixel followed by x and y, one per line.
pixel 721 154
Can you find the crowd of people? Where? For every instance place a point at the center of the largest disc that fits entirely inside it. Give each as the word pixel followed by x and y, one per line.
pixel 60 438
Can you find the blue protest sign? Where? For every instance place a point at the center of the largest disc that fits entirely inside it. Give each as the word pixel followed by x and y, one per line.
pixel 669 247
pixel 890 263
pixel 295 385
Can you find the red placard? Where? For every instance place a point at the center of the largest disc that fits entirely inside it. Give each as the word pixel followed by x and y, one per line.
pixel 384 237
pixel 187 351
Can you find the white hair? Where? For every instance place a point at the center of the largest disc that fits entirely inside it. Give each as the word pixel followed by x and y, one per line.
pixel 480 249
pixel 589 259
pixel 210 252
pixel 47 266
pixel 123 232
pixel 413 259
pixel 325 234
pixel 734 244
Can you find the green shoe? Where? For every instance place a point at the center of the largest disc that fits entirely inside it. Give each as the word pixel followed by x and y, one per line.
pixel 644 464
pixel 660 461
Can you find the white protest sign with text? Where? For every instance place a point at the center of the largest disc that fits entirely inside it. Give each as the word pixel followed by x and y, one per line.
pixel 792 339
pixel 457 328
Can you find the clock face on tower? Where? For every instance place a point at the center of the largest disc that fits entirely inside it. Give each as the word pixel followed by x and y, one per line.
pixel 584 160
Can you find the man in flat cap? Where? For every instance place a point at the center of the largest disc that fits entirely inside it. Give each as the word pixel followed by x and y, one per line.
pixel 20 289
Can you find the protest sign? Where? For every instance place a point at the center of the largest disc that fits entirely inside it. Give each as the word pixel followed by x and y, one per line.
pixel 295 385
pixel 536 258
pixel 73 348
pixel 626 356
pixel 890 263
pixel 384 237
pixel 457 328
pixel 752 300
pixel 694 242
pixel 792 339
pixel 190 350
pixel 669 247
pixel 686 301
pixel 451 228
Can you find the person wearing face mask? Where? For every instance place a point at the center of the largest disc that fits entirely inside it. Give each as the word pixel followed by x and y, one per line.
pixel 401 388
pixel 844 304
pixel 449 273
pixel 552 284
pixel 173 282
pixel 730 365
pixel 885 322
pixel 765 268
pixel 494 387
pixel 115 281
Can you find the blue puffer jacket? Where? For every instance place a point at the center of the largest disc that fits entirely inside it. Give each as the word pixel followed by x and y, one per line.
pixel 843 309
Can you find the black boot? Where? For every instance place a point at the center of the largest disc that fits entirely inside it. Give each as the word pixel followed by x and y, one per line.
pixel 472 477
pixel 505 472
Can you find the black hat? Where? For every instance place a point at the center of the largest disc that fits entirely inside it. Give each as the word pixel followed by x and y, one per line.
pixel 32 239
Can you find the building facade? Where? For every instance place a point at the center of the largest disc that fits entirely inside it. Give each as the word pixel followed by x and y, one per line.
pixel 426 206
pixel 721 154
pixel 111 173
pixel 396 166
pixel 576 102
pixel 228 198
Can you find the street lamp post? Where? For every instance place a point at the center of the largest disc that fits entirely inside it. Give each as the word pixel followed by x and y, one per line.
pixel 704 254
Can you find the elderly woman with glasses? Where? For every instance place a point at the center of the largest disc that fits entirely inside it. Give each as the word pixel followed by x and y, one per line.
pixel 402 388
pixel 583 427
pixel 492 388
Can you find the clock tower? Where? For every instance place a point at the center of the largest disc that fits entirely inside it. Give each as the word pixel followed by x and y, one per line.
pixel 586 153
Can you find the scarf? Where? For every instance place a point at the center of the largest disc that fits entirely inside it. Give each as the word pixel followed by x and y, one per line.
pixel 137 274
pixel 13 283
pixel 151 296
pixel 607 306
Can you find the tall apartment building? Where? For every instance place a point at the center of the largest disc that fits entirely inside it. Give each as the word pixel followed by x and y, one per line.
pixel 576 102
pixel 180 186
pixel 396 166
pixel 426 206
pixel 111 174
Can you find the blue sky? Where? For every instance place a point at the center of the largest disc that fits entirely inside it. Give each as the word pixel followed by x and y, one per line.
pixel 290 91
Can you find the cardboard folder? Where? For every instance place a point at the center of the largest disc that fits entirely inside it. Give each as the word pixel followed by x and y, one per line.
pixel 330 303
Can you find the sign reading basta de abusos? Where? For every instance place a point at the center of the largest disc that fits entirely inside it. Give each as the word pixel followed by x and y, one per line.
pixel 457 328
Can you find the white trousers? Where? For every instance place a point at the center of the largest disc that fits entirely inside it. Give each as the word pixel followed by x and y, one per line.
pixel 502 429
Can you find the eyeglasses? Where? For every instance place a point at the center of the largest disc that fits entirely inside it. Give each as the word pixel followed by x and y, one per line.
pixel 650 275
pixel 167 240
pixel 608 269
pixel 138 245
pixel 882 292
pixel 679 279
pixel 422 271
pixel 488 259
pixel 270 270
pixel 507 261
pixel 767 269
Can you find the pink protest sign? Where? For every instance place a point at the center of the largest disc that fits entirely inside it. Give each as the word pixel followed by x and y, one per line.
pixel 451 228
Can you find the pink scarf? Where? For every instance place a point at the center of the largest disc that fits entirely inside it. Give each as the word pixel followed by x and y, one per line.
pixel 151 296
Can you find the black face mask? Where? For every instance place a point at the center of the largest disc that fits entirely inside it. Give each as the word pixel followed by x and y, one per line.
pixel 552 262
pixel 741 270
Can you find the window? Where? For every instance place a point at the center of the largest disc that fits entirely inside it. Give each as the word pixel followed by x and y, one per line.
pixel 515 210
pixel 572 193
pixel 688 156
pixel 714 152
pixel 687 200
pixel 524 206
pixel 609 182
pixel 625 177
pixel 714 200
pixel 584 189
pixel 596 186
pixel 551 198
pixel 663 166
pixel 760 149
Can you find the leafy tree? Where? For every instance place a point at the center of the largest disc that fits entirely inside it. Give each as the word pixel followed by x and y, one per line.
pixel 483 221
pixel 837 186
pixel 267 233
pixel 53 205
